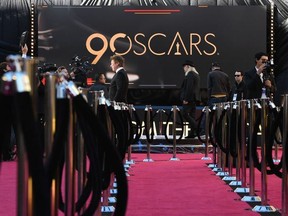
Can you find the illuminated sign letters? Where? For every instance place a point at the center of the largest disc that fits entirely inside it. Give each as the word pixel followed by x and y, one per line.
pixel 195 42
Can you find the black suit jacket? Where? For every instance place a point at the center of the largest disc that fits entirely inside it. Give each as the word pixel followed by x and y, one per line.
pixel 119 87
pixel 190 89
pixel 253 83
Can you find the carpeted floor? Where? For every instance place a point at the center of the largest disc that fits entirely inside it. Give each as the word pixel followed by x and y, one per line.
pixel 167 188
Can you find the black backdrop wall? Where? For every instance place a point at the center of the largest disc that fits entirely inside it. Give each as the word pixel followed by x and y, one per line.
pixel 15 18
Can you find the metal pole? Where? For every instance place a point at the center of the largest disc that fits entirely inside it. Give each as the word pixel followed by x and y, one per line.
pixel 129 159
pixel 148 127
pixel 285 159
pixel 243 188
pixel 224 156
pixel 174 109
pixel 30 68
pixel 219 152
pixel 22 177
pixel 161 122
pixel 69 169
pixel 264 122
pixel 50 113
pixel 230 158
pixel 252 197
pixel 243 141
pixel 264 201
pixel 81 155
pixel 207 110
pixel 236 179
pixel 238 146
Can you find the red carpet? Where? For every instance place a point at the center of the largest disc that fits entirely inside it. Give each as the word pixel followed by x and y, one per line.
pixel 185 187
pixel 165 188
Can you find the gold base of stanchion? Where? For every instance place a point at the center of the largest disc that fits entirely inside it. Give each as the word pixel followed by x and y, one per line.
pixel 148 160
pixel 251 199
pixel 174 159
pixel 264 208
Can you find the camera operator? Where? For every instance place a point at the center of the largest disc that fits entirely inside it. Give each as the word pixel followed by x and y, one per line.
pixel 79 70
pixel 259 77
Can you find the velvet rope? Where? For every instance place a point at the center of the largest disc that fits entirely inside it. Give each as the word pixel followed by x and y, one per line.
pixel 218 132
pixel 112 154
pixel 137 128
pixel 211 125
pixel 254 152
pixel 273 124
pixel 106 167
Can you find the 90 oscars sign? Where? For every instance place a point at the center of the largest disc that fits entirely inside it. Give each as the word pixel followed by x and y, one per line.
pixel 155 41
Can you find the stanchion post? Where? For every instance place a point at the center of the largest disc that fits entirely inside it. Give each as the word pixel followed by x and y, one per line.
pixel 224 156
pixel 243 141
pixel 129 159
pixel 22 177
pixel 160 113
pixel 230 158
pixel 148 127
pixel 252 197
pixel 264 207
pixel 238 146
pixel 207 114
pixel 50 113
pixel 30 68
pixel 175 110
pixel 69 169
pixel 235 179
pixel 264 122
pixel 81 155
pixel 284 211
pixel 219 152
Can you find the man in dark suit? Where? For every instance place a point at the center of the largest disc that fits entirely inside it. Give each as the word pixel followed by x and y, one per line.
pixel 258 78
pixel 189 95
pixel 238 91
pixel 119 83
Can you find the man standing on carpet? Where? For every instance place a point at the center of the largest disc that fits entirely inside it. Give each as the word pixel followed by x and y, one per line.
pixel 119 83
pixel 189 95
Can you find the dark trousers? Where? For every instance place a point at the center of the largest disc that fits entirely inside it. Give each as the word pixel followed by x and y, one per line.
pixel 189 113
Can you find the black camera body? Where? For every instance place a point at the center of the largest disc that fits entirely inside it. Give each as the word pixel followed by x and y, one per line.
pixel 268 64
pixel 80 65
pixel 47 67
